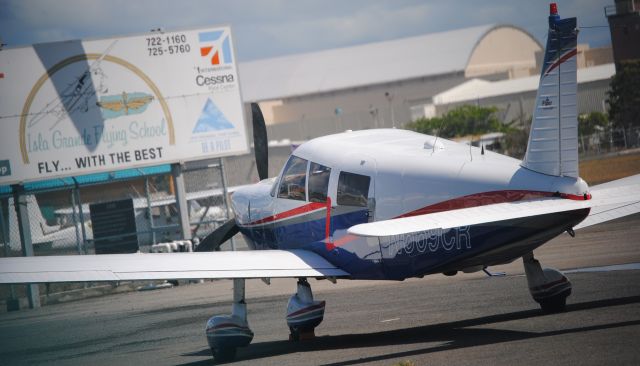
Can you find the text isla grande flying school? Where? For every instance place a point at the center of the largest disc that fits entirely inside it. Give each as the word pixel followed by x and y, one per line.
pixel 94 136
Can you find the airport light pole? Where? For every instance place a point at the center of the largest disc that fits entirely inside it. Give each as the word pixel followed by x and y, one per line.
pixel 389 97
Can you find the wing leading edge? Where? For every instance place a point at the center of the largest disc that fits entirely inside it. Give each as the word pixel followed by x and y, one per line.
pixel 164 266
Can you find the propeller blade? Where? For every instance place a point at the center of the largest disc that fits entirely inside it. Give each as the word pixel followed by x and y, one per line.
pixel 221 234
pixel 260 142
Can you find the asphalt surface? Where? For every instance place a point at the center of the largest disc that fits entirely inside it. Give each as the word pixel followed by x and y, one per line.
pixel 462 320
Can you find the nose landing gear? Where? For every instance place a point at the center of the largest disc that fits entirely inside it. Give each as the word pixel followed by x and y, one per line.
pixel 225 333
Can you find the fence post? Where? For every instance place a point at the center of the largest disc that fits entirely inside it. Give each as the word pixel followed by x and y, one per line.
pixel 224 197
pixel 76 222
pixel 6 237
pixel 22 213
pixel 76 191
pixel 181 200
pixel 147 193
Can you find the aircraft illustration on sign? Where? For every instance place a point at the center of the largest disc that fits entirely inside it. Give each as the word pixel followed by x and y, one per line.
pixel 75 97
pixel 387 204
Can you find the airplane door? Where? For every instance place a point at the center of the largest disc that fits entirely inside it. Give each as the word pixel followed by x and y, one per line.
pixel 353 191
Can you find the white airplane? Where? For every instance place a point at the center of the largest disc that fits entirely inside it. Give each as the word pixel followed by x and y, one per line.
pixel 387 205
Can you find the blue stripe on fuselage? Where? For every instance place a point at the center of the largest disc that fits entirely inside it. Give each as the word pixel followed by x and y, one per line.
pixel 415 254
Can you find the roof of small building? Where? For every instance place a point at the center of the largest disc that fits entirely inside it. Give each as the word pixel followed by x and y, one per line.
pixel 479 89
pixel 357 66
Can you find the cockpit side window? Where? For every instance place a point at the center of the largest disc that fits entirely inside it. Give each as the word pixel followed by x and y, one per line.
pixel 318 182
pixel 353 189
pixel 294 179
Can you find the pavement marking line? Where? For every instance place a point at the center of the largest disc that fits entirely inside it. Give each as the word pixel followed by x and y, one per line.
pixel 389 320
pixel 617 267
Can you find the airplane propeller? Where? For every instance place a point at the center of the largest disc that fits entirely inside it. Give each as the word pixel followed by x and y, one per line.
pixel 260 143
pixel 215 239
pixel 224 232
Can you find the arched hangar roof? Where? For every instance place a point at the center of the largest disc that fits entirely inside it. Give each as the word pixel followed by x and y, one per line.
pixel 378 63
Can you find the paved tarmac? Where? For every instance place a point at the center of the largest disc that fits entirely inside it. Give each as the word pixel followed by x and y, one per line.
pixel 462 320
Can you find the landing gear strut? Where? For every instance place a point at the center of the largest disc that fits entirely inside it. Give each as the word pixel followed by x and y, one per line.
pixel 548 287
pixel 303 313
pixel 225 333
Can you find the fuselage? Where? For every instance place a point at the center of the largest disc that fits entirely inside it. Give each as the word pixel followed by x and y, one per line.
pixel 334 182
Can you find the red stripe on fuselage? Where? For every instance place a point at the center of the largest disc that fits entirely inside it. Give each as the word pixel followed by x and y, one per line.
pixel 312 206
pixel 472 200
pixel 478 199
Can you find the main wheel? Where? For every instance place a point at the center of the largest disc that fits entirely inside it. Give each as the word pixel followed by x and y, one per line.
pixel 223 354
pixel 294 334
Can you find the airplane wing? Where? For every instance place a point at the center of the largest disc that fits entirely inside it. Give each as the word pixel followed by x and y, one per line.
pixel 607 211
pixel 609 201
pixel 165 266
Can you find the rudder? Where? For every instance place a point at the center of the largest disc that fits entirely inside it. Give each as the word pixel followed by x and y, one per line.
pixel 553 140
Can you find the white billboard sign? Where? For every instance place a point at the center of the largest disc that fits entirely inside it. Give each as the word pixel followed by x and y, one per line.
pixel 77 107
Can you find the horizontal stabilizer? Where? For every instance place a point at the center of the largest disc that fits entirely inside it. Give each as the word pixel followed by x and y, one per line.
pixel 166 266
pixel 608 202
pixel 611 207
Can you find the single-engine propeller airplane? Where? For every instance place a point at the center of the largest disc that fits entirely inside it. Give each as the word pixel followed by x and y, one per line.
pixel 387 205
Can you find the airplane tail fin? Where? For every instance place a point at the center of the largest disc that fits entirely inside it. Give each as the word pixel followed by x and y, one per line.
pixel 553 139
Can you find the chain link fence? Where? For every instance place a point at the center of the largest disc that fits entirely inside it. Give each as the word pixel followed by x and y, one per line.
pixel 60 221
pixel 609 141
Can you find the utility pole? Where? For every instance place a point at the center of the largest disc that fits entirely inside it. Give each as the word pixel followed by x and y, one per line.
pixel 389 97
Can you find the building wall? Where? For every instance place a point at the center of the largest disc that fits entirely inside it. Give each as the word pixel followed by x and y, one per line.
pixel 302 117
pixel 306 117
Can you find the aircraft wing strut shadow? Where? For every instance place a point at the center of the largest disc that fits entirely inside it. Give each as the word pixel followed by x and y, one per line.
pixel 387 204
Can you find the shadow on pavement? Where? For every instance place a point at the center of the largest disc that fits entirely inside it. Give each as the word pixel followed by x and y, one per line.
pixel 455 335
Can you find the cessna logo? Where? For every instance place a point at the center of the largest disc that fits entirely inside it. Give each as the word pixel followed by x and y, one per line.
pixel 202 80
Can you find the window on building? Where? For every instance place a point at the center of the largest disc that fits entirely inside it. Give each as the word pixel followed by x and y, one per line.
pixel 318 182
pixel 353 189
pixel 293 182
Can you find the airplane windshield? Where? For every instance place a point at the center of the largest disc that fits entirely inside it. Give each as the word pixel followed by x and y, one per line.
pixel 293 182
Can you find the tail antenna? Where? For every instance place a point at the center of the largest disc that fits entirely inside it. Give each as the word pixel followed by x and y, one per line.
pixel 433 149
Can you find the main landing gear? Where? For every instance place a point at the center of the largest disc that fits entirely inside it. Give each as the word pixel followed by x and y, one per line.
pixel 225 333
pixel 303 313
pixel 547 286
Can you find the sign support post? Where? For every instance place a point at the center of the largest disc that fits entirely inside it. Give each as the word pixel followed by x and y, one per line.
pixel 22 212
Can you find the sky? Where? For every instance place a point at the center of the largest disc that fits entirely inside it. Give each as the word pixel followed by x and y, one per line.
pixel 272 28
